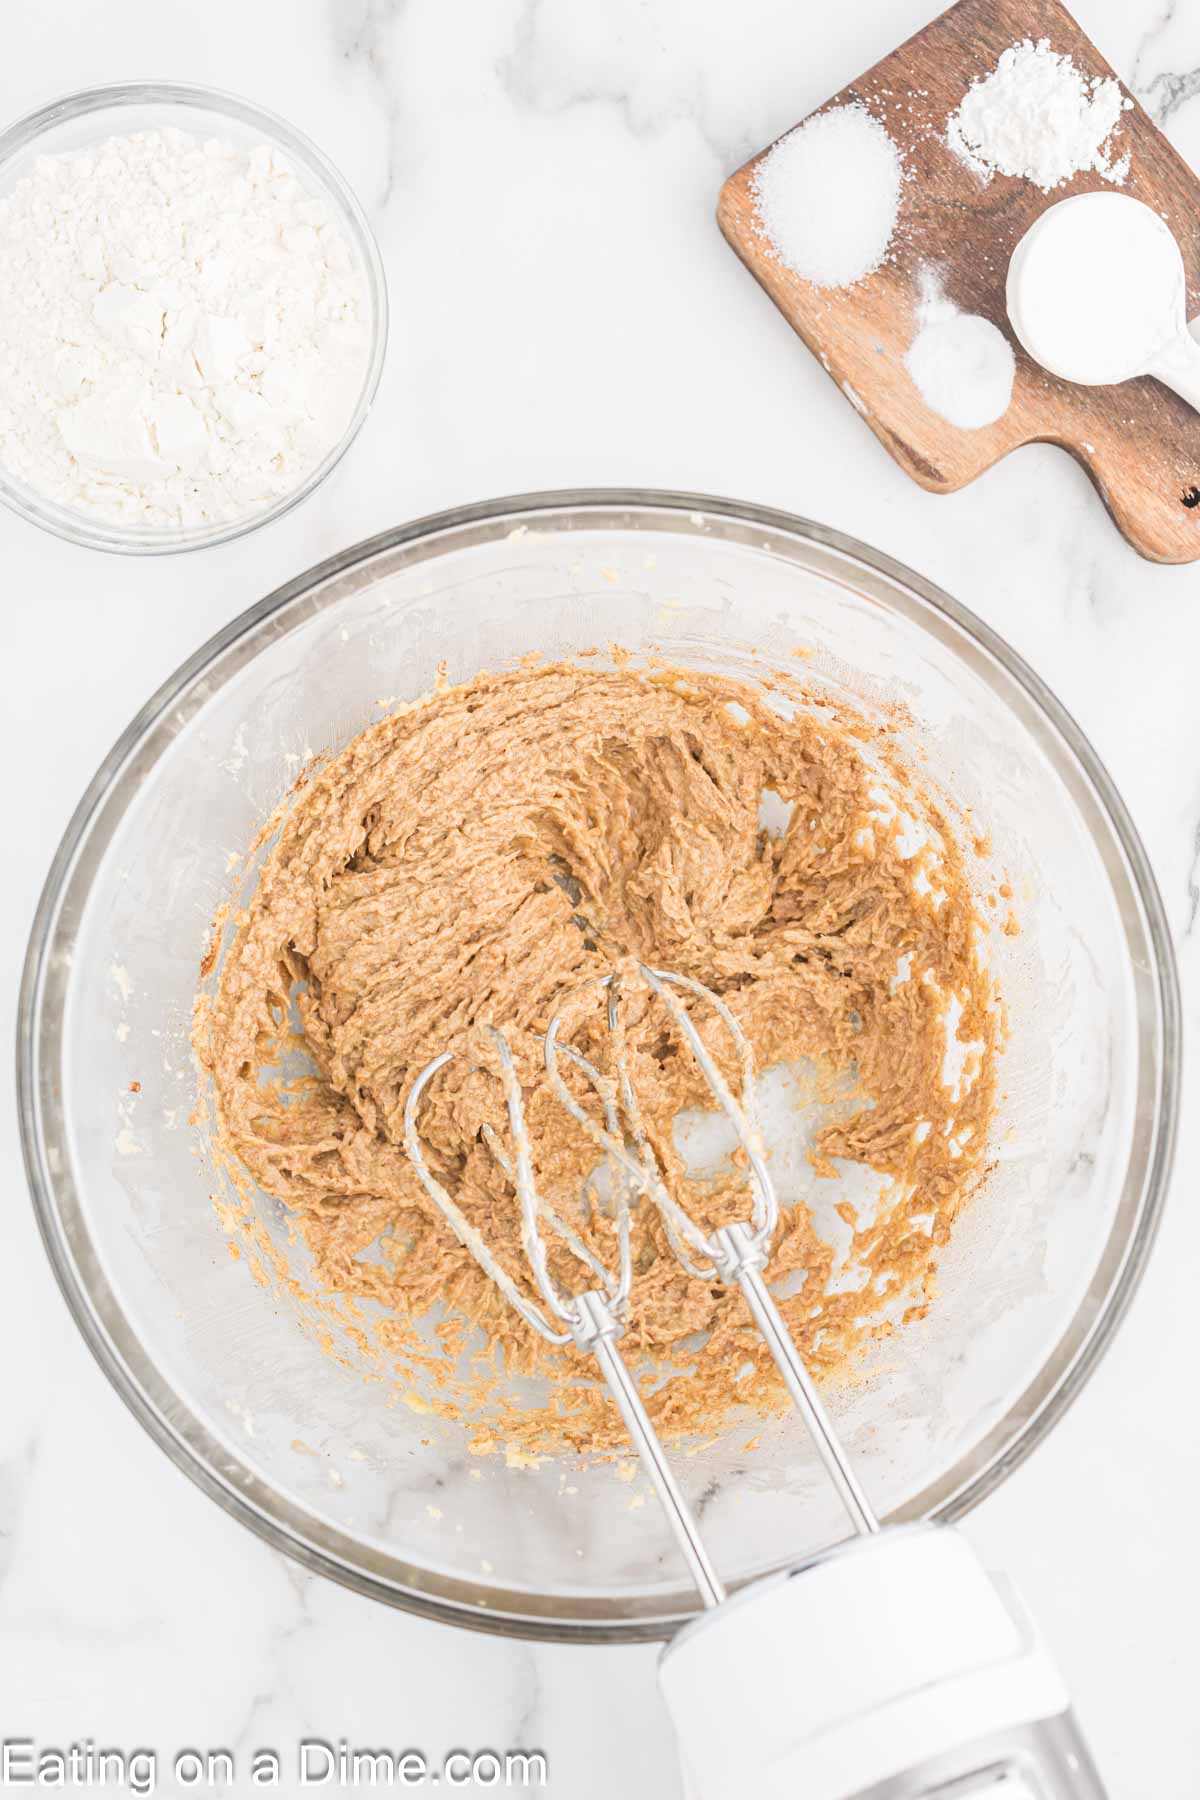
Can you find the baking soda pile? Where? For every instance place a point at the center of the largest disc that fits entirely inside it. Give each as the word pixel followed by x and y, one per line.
pixel 962 364
pixel 1037 117
pixel 184 331
pixel 827 196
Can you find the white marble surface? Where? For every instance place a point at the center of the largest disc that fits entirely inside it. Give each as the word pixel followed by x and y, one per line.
pixel 542 174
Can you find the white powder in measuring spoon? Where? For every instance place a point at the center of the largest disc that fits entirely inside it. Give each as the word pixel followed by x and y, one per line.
pixel 827 196
pixel 1037 117
pixel 184 331
pixel 962 364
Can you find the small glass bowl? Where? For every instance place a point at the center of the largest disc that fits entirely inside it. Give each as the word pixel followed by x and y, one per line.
pixel 90 116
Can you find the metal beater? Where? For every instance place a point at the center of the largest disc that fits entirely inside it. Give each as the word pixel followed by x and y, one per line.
pixel 735 1253
pixel 593 1320
pixel 867 1640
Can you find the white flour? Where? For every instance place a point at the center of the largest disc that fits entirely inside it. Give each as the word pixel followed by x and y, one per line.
pixel 827 196
pixel 1037 117
pixel 183 330
pixel 963 366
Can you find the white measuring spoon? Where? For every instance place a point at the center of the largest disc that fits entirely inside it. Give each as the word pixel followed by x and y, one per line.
pixel 1097 294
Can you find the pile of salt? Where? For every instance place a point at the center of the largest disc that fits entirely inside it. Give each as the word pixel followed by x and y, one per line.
pixel 827 196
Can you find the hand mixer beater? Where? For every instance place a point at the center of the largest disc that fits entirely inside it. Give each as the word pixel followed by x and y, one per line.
pixel 888 1667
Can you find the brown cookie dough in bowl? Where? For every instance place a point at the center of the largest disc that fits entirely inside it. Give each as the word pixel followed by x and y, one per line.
pixel 480 854
pixel 284 1377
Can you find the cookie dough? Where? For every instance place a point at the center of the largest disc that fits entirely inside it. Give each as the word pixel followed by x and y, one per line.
pixel 485 850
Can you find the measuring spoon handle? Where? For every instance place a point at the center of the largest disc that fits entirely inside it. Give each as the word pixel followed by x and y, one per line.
pixel 1177 366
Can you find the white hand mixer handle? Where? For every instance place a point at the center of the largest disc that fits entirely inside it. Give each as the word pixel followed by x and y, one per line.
pixel 888 1668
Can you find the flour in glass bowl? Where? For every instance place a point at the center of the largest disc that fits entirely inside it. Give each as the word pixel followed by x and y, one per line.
pixel 184 330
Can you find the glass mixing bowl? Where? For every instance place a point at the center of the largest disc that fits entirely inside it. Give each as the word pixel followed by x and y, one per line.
pixel 78 120
pixel 237 1384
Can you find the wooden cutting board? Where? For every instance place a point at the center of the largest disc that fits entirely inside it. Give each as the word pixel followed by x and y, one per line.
pixel 1139 442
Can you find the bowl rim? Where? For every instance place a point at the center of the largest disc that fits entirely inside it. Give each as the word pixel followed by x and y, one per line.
pixel 23 134
pixel 685 512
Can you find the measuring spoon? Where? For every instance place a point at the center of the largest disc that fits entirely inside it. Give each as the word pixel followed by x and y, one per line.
pixel 1097 294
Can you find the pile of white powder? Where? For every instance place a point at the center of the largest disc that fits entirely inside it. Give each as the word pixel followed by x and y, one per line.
pixel 963 365
pixel 827 195
pixel 1037 117
pixel 184 331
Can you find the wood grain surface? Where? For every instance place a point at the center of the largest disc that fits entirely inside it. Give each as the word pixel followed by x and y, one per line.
pixel 1139 442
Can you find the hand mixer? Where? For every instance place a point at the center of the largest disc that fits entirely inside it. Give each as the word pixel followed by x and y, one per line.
pixel 890 1666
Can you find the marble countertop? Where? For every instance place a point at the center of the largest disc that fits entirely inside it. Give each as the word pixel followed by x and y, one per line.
pixel 542 176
